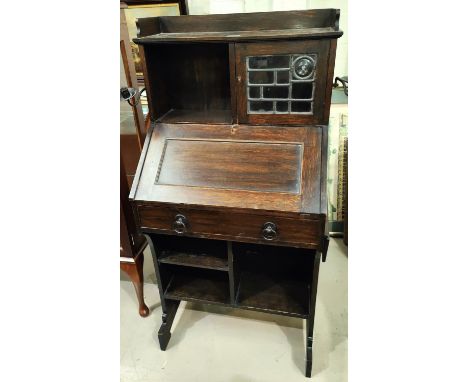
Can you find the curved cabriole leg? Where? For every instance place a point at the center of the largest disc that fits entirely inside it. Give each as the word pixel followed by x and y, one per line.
pixel 143 309
pixel 135 272
pixel 164 334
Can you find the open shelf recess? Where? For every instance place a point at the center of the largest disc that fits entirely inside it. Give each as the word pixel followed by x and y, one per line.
pixel 247 276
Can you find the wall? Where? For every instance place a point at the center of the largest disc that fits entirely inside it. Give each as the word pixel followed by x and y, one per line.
pixel 203 7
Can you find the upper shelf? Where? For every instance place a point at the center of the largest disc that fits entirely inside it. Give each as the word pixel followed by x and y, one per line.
pixel 241 35
pixel 317 23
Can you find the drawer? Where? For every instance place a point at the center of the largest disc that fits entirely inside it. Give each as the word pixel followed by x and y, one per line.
pixel 300 230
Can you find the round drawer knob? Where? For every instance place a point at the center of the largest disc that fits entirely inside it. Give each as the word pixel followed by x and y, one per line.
pixel 180 224
pixel 269 231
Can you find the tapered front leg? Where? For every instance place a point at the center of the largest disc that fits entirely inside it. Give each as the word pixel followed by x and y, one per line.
pixel 164 333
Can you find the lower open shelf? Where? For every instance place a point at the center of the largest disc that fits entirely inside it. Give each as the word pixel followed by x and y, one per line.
pixel 267 293
pixel 259 292
pixel 264 278
pixel 199 285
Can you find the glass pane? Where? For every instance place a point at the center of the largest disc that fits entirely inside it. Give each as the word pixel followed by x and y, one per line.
pixel 275 82
pixel 268 62
pixel 261 106
pixel 301 107
pixel 261 77
pixel 254 92
pixel 302 90
pixel 275 92
pixel 282 106
pixel 282 77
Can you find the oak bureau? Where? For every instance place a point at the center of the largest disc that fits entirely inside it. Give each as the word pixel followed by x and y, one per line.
pixel 230 189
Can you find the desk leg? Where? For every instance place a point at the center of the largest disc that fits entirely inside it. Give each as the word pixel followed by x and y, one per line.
pixel 169 307
pixel 310 320
pixel 164 333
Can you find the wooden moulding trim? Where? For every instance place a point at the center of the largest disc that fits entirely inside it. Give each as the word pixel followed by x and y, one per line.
pixel 136 179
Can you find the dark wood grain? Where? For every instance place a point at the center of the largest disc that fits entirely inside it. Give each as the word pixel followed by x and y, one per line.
pixel 324 165
pixel 233 82
pixel 201 286
pixel 297 231
pixel 213 117
pixel 314 18
pixel 234 275
pixel 185 251
pixel 203 260
pixel 311 319
pixel 188 77
pixel 148 26
pixel 267 293
pixel 236 165
pixel 273 279
pixel 329 80
pixel 240 36
pixel 235 214
pixel 303 202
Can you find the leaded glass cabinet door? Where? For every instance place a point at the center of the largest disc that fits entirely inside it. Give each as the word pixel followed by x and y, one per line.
pixel 282 82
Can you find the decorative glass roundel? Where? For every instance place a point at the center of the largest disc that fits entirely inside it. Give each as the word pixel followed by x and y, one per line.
pixel 303 67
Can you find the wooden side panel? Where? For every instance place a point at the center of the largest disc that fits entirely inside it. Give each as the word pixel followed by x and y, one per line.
pixel 329 83
pixel 233 82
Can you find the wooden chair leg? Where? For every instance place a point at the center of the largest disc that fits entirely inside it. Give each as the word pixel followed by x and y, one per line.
pixel 135 272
